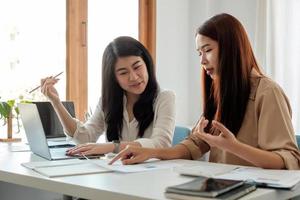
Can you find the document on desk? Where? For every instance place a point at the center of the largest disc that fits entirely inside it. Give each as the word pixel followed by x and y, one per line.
pixel 205 169
pixel 71 170
pixel 152 164
pixel 61 168
pixel 54 163
pixel 90 166
pixel 284 179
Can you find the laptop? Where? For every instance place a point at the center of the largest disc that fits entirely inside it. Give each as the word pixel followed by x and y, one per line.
pixel 36 135
pixel 52 127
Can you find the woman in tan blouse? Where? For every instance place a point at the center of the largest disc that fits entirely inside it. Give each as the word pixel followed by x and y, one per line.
pixel 246 116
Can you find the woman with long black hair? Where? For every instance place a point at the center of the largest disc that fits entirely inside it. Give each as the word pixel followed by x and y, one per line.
pixel 132 110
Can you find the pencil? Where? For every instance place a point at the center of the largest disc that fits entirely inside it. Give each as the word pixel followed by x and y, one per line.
pixel 34 89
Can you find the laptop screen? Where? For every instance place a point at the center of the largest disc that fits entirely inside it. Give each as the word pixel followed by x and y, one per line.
pixel 50 121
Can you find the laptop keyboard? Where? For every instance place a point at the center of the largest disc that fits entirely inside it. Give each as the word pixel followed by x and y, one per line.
pixel 62 146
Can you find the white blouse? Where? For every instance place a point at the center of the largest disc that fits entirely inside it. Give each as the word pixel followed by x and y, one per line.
pixel 158 134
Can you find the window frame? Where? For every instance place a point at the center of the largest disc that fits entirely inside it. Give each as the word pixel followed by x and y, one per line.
pixel 77 49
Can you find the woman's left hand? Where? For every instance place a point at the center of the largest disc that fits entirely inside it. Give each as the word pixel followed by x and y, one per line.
pixel 225 140
pixel 90 149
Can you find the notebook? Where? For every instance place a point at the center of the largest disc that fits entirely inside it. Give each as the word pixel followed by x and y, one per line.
pixel 205 187
pixel 36 136
pixel 230 194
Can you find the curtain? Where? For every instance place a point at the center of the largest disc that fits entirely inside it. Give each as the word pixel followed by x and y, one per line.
pixel 277 47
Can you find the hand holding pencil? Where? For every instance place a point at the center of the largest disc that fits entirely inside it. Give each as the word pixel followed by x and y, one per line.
pixel 48 89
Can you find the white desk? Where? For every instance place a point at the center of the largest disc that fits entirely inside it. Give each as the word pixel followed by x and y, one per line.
pixel 142 186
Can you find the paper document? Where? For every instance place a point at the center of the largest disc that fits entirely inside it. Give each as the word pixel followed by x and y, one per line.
pixel 65 167
pixel 152 164
pixel 32 165
pixel 71 170
pixel 266 177
pixel 205 169
pixel 89 166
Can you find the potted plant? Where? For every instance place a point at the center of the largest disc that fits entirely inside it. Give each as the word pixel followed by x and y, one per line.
pixel 8 111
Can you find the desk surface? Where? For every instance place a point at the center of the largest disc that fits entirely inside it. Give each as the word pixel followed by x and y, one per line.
pixel 142 185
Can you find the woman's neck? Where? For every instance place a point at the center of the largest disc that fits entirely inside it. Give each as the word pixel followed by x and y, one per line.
pixel 132 98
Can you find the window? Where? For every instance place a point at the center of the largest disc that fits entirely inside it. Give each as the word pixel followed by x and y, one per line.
pixel 37 42
pixel 106 21
pixel 32 46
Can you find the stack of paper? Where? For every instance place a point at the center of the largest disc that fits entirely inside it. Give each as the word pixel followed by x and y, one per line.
pixel 149 165
pixel 285 179
pixel 65 168
pixel 92 166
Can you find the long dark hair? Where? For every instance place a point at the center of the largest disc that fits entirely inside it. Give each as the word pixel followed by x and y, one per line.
pixel 225 98
pixel 112 93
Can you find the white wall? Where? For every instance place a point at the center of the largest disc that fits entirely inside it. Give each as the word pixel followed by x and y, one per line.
pixel 178 67
pixel 172 52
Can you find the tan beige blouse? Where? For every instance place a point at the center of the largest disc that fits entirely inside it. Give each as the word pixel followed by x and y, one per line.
pixel 267 125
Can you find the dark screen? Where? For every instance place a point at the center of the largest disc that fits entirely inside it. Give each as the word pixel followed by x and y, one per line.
pixel 217 184
pixel 51 124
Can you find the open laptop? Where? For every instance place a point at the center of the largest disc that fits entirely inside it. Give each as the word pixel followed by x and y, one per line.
pixel 36 135
pixel 52 127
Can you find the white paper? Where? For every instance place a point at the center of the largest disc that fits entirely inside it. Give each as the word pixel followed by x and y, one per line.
pixel 272 178
pixel 32 165
pixel 71 170
pixel 149 165
pixel 204 169
pixel 267 177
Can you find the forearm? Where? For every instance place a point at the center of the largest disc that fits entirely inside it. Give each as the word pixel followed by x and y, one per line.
pixel 65 118
pixel 258 157
pixel 176 152
pixel 124 144
pixel 109 146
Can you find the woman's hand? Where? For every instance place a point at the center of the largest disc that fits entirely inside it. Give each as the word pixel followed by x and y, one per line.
pixel 90 149
pixel 225 140
pixel 133 154
pixel 48 89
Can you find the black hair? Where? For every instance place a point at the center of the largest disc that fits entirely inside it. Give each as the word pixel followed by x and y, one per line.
pixel 112 93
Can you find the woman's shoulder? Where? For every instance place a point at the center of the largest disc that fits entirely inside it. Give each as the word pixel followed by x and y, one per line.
pixel 165 94
pixel 269 88
pixel 267 84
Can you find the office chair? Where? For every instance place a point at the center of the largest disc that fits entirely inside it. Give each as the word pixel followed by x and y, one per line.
pixel 298 140
pixel 180 134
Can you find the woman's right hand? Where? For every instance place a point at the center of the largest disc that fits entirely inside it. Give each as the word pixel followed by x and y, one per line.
pixel 48 89
pixel 132 154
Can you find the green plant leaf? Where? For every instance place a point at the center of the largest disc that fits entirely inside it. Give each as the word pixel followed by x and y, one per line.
pixel 25 101
pixel 5 109
pixel 11 103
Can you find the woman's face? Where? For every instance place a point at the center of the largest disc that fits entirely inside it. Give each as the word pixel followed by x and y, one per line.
pixel 208 50
pixel 131 74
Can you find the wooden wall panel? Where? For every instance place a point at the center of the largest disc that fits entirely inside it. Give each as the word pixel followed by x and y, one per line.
pixel 76 67
pixel 147 25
